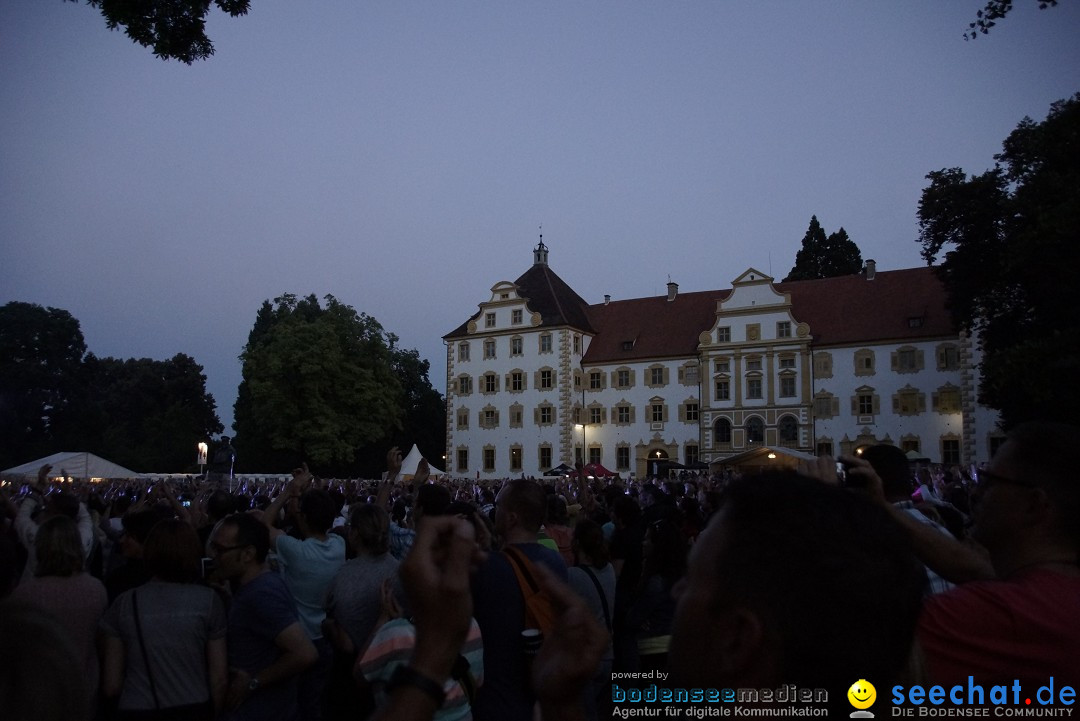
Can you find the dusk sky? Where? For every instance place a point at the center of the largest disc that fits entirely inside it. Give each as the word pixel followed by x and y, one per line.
pixel 402 155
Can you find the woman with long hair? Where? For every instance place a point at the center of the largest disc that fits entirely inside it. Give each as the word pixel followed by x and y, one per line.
pixel 73 598
pixel 653 609
pixel 164 641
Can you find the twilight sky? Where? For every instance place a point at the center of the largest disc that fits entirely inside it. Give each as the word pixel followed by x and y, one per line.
pixel 402 155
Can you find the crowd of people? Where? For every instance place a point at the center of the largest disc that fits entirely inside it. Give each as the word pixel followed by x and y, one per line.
pixel 525 598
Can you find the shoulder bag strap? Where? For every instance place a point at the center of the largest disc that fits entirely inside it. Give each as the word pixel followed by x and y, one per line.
pixel 522 569
pixel 142 645
pixel 600 591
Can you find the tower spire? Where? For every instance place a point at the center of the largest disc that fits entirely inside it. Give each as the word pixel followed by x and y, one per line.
pixel 540 253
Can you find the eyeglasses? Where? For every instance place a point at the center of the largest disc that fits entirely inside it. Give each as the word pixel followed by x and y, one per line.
pixel 218 549
pixel 988 479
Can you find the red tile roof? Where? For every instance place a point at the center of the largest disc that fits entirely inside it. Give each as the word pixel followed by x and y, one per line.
pixel 897 305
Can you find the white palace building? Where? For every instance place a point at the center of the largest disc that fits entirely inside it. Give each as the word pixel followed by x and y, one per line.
pixel 538 376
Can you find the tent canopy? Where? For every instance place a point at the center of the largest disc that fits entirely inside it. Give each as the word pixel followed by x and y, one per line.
pixel 764 457
pixel 411 461
pixel 76 464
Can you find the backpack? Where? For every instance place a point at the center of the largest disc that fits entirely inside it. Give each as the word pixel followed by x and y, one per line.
pixel 539 606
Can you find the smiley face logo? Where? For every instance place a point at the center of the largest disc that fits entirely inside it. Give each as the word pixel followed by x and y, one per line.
pixel 862 694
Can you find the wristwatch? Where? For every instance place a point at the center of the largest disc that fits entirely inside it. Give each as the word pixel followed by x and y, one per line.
pixel 254 684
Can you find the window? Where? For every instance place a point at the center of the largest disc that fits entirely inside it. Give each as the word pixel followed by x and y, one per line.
pixel 489 348
pixel 515 454
pixel 948 357
pixel 517 381
pixel 596 380
pixel 622 458
pixel 907 360
pixel 826 405
pixel 691 412
pixel 787 387
pixel 463 352
pixel 463 459
pixel 628 345
pixel 753 388
pixel 755 430
pixel 907 445
pixel 947 399
pixel 825 448
pixel 788 431
pixel 914 321
pixel 950 451
pixel 689 375
pixel 692 455
pixel 865 404
pixel 577 380
pixel 864 362
pixel 516 416
pixel 787 362
pixel 723 335
pixel 545 457
pixel 463 419
pixel 823 365
pixel 783 329
pixel 596 416
pixel 908 401
pixel 545 342
pixel 546 415
pixel 464 385
pixel 722 432
pixel 753 363
pixel 515 319
pixel 516 346
pixel 722 365
pixel 622 378
pixel 577 344
pixel 623 415
pixel 595 454
pixel 656 376
pixel 489 459
pixel 491 383
pixel 656 412
pixel 723 390
pixel 546 379
pixel 489 418
pixel 489 320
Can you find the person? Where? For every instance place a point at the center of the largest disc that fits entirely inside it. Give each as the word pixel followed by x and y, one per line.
pixel 164 642
pixel 389 649
pixel 1023 624
pixel 267 646
pixel 353 603
pixel 38 507
pixel 308 566
pixel 500 606
pixel 891 466
pixel 653 607
pixel 593 579
pixel 74 598
pixel 431 500
pixel 133 571
pixel 796 582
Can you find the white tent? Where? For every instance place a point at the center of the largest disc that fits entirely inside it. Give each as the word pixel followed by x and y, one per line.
pixel 411 461
pixel 75 464
pixel 763 457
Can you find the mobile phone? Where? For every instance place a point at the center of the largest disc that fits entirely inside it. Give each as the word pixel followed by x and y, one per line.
pixel 209 565
pixel 841 473
pixel 185 504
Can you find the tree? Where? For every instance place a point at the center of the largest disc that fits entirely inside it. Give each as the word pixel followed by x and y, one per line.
pixel 424 407
pixel 1011 263
pixel 822 257
pixel 175 29
pixel 318 386
pixel 147 414
pixel 996 10
pixel 41 352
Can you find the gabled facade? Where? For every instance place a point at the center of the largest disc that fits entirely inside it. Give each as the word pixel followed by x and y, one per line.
pixel 538 377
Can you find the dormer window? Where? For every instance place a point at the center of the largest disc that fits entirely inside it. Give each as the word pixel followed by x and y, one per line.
pixel 628 345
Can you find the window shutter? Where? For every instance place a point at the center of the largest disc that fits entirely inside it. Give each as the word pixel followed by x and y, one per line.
pixel 894 359
pixel 682 375
pixel 877 404
pixel 896 404
pixel 855 405
pixel 835 406
pixel 633 414
pixel 921 402
pixel 920 359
